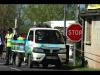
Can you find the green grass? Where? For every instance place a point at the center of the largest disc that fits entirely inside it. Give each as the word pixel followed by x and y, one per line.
pixel 78 67
pixel 71 66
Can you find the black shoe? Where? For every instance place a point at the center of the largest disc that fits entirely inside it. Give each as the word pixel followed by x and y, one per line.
pixel 11 64
pixel 6 64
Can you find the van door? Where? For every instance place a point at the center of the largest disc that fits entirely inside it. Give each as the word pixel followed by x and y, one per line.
pixel 29 42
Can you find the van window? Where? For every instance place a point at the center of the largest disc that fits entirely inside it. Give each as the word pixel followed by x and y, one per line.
pixel 31 35
pixel 48 36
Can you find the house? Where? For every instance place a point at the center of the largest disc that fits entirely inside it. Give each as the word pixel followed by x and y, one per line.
pixel 91 36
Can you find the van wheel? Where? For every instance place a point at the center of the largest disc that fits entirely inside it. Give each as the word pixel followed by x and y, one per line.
pixel 58 65
pixel 18 61
pixel 30 62
pixel 45 65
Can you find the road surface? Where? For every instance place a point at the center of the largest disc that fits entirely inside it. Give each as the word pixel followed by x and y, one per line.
pixel 24 67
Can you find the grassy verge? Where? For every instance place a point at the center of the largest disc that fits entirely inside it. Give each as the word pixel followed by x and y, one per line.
pixel 71 67
pixel 78 67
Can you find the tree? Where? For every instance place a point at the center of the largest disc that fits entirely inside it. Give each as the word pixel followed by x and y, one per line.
pixel 40 13
pixel 44 12
pixel 7 15
pixel 47 12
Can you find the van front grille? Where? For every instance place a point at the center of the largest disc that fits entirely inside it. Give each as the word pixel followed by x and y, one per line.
pixel 48 51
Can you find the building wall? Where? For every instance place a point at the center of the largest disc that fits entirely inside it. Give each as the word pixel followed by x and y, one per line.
pixel 92 52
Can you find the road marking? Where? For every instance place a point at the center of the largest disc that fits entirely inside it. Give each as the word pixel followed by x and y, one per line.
pixel 15 69
pixel 1 63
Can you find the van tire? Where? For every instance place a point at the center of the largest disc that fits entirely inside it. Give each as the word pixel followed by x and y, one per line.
pixel 30 62
pixel 58 65
pixel 18 61
pixel 45 65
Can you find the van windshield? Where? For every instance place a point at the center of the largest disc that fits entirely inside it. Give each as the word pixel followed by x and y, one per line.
pixel 48 36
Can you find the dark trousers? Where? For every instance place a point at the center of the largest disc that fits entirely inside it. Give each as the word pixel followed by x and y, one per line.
pixel 1 50
pixel 8 54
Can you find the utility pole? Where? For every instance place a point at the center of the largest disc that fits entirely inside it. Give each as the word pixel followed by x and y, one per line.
pixel 67 48
pixel 77 13
pixel 82 40
pixel 15 26
pixel 82 44
pixel 65 21
pixel 76 19
pixel 18 18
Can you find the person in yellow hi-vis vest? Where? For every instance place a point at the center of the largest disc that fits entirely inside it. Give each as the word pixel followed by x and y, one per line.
pixel 20 38
pixel 9 36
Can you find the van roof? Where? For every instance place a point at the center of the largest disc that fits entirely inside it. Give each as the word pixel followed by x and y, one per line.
pixel 42 29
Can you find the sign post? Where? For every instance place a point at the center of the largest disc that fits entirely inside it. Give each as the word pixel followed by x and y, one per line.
pixel 74 33
pixel 74 54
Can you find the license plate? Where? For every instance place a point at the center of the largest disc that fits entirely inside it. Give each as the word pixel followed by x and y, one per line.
pixel 51 57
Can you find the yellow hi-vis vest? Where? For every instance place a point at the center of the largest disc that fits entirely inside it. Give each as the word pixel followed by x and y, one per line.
pixel 20 38
pixel 9 37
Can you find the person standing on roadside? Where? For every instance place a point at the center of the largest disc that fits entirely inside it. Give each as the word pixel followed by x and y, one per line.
pixel 8 44
pixel 1 43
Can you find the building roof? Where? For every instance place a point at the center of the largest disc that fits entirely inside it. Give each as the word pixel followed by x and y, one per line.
pixel 92 12
pixel 60 23
pixel 93 6
pixel 42 29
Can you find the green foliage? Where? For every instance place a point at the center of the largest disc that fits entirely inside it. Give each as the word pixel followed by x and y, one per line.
pixel 7 15
pixel 40 13
pixel 47 12
pixel 33 12
pixel 78 45
pixel 24 28
pixel 44 12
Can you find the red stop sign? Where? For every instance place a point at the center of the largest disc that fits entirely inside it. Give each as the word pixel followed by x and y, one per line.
pixel 74 32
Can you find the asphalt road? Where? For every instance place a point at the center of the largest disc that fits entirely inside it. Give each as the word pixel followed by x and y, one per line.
pixel 24 67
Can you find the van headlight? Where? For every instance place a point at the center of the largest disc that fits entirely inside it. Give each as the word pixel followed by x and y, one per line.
pixel 62 51
pixel 38 50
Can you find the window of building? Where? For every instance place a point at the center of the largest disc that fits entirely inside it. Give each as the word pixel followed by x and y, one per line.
pixel 88 31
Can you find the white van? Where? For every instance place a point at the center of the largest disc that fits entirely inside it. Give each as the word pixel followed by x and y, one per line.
pixel 45 46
